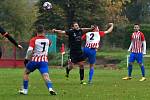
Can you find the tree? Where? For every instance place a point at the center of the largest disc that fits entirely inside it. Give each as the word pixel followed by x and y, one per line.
pixel 53 18
pixel 17 16
pixel 64 12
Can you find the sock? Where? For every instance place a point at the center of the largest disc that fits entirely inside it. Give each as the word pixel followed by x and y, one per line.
pixel 129 70
pixel 48 84
pixel 25 84
pixel 143 71
pixel 91 72
pixel 67 70
pixel 81 74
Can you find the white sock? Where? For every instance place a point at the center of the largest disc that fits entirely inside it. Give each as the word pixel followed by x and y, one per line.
pixel 50 89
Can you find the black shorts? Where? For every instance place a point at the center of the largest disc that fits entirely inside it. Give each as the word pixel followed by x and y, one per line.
pixel 76 57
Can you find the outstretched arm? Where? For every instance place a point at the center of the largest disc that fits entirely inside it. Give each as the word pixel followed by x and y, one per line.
pixel 85 30
pixel 9 37
pixel 110 28
pixel 58 31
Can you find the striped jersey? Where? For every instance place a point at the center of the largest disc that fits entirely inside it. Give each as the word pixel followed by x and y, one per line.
pixel 93 39
pixel 137 38
pixel 40 45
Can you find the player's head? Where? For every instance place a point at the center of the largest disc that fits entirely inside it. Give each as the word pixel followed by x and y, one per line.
pixel 136 27
pixel 40 29
pixel 96 28
pixel 75 25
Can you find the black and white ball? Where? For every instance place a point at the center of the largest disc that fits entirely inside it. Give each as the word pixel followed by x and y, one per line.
pixel 47 6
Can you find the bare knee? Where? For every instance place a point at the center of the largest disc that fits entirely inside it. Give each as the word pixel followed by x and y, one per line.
pixel 46 77
pixel 91 65
pixel 26 74
pixel 81 65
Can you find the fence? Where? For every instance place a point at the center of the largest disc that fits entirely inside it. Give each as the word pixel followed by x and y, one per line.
pixel 12 57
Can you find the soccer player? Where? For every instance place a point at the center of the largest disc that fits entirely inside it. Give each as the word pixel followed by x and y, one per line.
pixel 91 46
pixel 5 34
pixel 137 49
pixel 36 58
pixel 76 54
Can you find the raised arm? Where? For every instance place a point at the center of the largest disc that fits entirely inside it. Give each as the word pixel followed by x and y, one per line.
pixel 110 28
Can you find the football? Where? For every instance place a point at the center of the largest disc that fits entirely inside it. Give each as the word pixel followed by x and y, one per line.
pixel 47 6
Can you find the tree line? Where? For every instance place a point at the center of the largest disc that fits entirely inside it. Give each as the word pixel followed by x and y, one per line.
pixel 20 16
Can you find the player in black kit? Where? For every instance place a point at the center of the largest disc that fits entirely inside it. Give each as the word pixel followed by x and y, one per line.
pixel 76 54
pixel 5 34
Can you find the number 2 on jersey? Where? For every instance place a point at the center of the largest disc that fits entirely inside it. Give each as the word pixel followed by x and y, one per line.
pixel 43 43
pixel 92 36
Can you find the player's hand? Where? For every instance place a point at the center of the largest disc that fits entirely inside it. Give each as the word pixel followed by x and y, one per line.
pixel 26 61
pixel 128 50
pixel 144 53
pixel 110 24
pixel 92 26
pixel 53 30
pixel 20 47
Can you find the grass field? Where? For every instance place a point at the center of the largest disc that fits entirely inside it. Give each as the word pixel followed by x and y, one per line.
pixel 107 85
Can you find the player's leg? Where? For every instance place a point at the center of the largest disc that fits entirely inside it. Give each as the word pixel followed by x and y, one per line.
pixel 140 62
pixel 69 68
pixel 91 60
pixel 43 68
pixel 81 72
pixel 91 73
pixel 30 67
pixel 24 89
pixel 130 64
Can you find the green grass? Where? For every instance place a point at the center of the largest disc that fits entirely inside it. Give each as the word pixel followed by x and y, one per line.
pixel 107 85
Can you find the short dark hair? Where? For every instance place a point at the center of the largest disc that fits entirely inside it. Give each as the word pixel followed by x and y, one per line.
pixel 137 24
pixel 40 28
pixel 74 22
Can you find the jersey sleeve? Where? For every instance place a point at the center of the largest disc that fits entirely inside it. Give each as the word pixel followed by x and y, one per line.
pixel 101 33
pixel 142 37
pixel 32 42
pixel 67 32
pixel 83 37
pixel 2 31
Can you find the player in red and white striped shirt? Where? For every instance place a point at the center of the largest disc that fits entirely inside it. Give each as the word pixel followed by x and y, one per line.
pixel 36 58
pixel 92 43
pixel 137 49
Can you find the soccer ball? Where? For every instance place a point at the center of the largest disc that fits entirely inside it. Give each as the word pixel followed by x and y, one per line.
pixel 47 6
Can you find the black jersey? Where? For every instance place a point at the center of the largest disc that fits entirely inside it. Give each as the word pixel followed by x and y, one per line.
pixel 74 39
